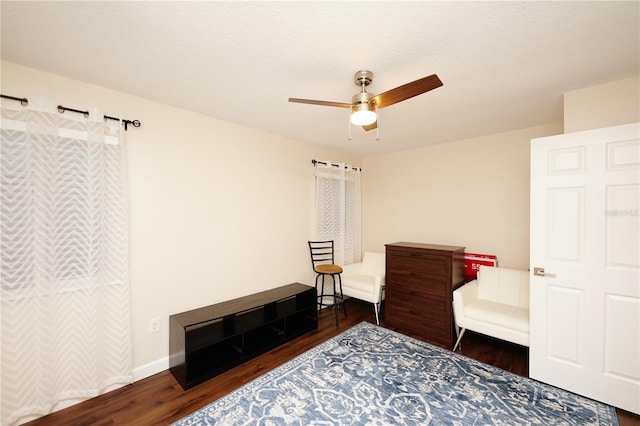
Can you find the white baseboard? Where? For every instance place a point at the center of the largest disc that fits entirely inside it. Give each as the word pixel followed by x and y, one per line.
pixel 150 369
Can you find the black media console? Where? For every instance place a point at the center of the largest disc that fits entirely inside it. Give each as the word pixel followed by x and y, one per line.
pixel 205 342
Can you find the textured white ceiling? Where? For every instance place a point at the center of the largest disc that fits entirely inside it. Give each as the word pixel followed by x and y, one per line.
pixel 505 65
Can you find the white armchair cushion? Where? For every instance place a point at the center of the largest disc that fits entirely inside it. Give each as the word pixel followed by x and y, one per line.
pixel 373 264
pixel 509 286
pixel 500 314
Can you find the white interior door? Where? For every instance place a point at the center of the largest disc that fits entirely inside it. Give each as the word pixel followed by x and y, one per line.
pixel 585 305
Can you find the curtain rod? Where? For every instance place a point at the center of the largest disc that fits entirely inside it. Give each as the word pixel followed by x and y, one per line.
pixel 314 162
pixel 62 109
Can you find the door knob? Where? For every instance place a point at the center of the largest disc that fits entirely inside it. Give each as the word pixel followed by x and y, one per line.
pixel 539 272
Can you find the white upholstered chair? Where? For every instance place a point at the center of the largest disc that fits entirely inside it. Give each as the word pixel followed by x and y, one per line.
pixel 495 304
pixel 365 280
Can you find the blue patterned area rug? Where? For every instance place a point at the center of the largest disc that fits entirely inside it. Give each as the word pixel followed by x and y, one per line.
pixel 369 375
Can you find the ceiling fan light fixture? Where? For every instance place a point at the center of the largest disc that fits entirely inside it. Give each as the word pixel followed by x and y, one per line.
pixel 363 114
pixel 364 105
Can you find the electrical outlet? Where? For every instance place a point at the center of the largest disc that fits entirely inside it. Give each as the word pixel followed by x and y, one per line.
pixel 154 325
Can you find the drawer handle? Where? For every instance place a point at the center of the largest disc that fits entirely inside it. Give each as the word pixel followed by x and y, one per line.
pixel 415 254
pixel 415 274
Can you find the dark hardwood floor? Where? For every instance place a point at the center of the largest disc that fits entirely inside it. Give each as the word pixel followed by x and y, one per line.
pixel 159 399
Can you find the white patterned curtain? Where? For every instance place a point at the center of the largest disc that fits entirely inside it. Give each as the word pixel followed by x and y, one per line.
pixel 64 259
pixel 337 210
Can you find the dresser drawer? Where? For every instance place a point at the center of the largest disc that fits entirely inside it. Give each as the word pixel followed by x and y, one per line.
pixel 418 306
pixel 433 266
pixel 419 282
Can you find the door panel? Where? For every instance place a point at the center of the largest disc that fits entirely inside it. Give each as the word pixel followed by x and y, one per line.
pixel 621 321
pixel 566 314
pixel 622 226
pixel 566 225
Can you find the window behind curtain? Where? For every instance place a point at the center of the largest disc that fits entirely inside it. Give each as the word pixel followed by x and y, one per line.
pixel 337 214
pixel 63 259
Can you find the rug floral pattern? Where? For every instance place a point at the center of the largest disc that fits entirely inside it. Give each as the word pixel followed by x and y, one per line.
pixel 369 375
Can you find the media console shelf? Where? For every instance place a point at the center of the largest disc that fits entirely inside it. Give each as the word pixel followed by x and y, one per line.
pixel 207 341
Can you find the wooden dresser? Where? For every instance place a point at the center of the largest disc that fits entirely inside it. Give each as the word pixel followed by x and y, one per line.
pixel 420 279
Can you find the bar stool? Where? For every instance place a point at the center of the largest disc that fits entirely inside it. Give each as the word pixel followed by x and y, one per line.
pixel 322 260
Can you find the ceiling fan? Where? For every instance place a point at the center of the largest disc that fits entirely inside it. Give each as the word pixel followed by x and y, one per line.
pixel 364 104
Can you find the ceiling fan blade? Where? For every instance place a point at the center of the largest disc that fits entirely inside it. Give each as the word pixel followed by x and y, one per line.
pixel 323 103
pixel 407 91
pixel 371 126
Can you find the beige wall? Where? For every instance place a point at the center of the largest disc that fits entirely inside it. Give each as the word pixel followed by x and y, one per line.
pixel 217 210
pixel 606 105
pixel 472 193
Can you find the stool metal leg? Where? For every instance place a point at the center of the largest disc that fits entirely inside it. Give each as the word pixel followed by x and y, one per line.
pixel 344 307
pixel 338 296
pixel 336 306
